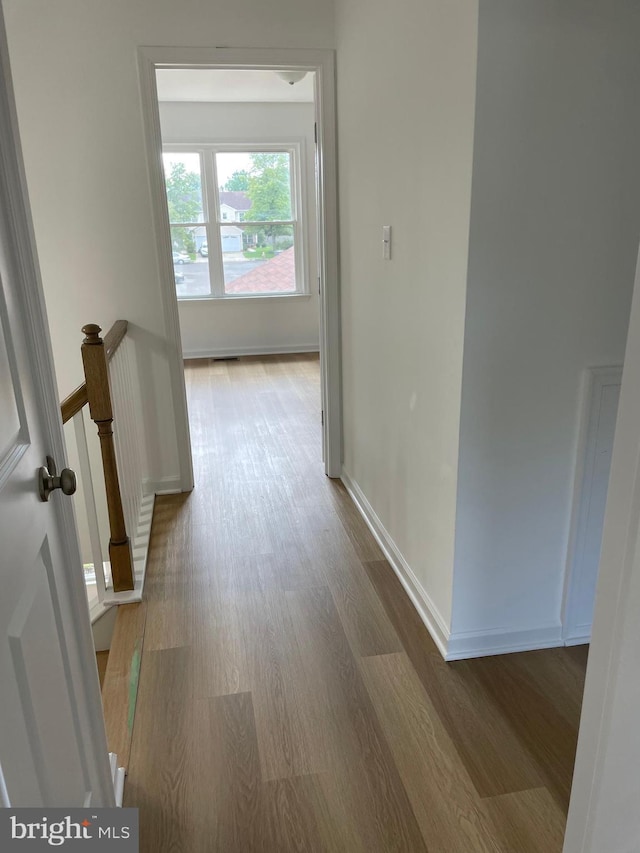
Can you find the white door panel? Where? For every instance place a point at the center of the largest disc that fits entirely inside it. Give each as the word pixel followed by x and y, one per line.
pixel 603 813
pixel 41 683
pixel 52 742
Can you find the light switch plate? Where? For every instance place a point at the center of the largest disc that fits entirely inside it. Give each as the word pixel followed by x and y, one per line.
pixel 386 242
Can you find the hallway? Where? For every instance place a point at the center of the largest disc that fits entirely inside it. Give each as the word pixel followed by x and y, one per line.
pixel 290 698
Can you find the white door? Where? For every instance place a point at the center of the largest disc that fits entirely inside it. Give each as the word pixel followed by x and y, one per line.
pixel 603 813
pixel 52 743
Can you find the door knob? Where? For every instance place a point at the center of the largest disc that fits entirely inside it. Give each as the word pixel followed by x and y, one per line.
pixel 48 481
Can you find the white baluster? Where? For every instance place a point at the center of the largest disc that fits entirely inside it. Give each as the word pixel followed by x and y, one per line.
pixel 90 503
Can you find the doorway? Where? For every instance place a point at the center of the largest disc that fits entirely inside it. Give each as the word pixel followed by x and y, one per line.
pixel 310 283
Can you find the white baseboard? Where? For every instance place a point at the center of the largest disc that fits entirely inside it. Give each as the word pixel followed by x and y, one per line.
pixel 578 639
pixel 427 610
pixel 452 646
pixel 117 777
pixel 261 349
pixel 164 486
pixel 478 644
pixel 103 621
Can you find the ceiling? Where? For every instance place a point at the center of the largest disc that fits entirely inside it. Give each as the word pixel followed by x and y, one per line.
pixel 208 84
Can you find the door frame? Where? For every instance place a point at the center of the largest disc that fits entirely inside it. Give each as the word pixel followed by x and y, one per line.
pixel 77 629
pixel 594 381
pixel 322 62
pixel 603 812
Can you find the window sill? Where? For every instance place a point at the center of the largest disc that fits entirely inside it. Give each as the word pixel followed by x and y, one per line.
pixel 250 297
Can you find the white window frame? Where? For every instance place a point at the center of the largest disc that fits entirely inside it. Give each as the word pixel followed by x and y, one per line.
pixel 203 189
pixel 207 151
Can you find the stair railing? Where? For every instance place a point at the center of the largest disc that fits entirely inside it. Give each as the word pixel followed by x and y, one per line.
pixel 110 396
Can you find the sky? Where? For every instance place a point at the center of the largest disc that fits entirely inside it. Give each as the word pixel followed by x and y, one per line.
pixel 227 162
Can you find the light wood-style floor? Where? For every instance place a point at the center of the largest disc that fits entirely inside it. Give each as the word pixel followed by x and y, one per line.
pixel 290 699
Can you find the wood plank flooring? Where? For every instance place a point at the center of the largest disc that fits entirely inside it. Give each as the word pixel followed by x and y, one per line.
pixel 101 661
pixel 122 673
pixel 290 698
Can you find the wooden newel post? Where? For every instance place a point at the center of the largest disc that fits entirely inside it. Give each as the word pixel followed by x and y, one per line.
pixel 96 374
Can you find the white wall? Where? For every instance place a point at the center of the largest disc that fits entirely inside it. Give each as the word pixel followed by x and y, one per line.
pixel 262 325
pixel 406 80
pixel 555 220
pixel 76 80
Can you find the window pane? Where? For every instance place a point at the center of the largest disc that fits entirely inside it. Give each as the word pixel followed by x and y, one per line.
pixel 191 261
pixel 184 186
pixel 254 185
pixel 258 259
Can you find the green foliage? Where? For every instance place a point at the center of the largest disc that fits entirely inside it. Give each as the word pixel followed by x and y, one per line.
pixel 270 193
pixel 190 244
pixel 183 240
pixel 267 184
pixel 238 182
pixel 269 187
pixel 184 194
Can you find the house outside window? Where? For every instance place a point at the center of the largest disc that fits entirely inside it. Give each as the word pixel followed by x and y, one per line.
pixel 235 218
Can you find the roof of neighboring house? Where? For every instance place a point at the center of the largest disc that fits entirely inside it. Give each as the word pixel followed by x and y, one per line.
pixel 236 199
pixel 275 276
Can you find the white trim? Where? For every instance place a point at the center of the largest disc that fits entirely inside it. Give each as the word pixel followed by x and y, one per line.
pixel 259 349
pixel 322 62
pixel 97 609
pixel 87 704
pixel 128 596
pixel 153 141
pixel 477 644
pixel 165 486
pixel 119 786
pixel 103 629
pixel 5 802
pixel 594 380
pixel 578 640
pixel 242 297
pixel 426 609
pixel 451 646
pixel 117 776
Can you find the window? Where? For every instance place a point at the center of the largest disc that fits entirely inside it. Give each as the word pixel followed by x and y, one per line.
pixel 236 229
pixel 187 215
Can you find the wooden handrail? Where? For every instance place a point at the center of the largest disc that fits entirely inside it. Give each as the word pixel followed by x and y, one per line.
pixel 72 404
pixel 114 337
pixel 96 372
